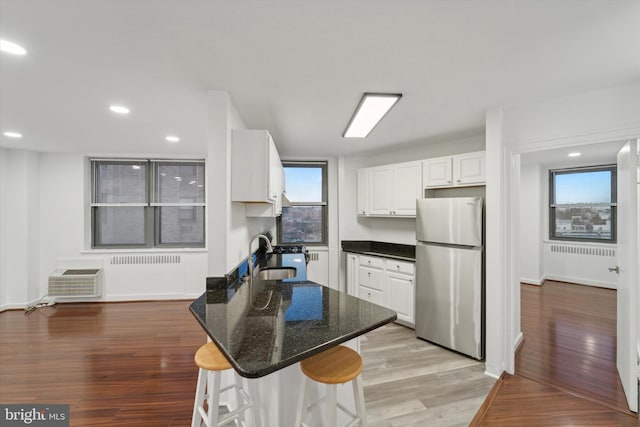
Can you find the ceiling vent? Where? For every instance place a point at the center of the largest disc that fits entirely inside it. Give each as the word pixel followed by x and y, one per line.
pixel 75 283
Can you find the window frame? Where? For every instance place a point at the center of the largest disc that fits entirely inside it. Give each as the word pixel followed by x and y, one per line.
pixel 553 206
pixel 323 165
pixel 151 207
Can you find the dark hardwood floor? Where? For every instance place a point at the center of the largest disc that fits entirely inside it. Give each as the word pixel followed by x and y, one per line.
pixel 566 366
pixel 115 364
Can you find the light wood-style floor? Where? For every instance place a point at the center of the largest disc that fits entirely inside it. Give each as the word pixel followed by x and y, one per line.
pixel 566 367
pixel 410 382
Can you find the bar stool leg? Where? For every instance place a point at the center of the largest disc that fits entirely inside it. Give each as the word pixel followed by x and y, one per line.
pixel 214 398
pixel 302 403
pixel 358 396
pixel 331 405
pixel 196 419
pixel 239 399
pixel 253 386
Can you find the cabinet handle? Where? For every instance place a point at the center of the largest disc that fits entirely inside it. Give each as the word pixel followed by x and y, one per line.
pixel 369 263
pixel 398 266
pixel 448 181
pixel 369 273
pixel 458 181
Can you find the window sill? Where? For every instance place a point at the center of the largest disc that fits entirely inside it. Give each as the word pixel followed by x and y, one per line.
pixel 579 243
pixel 143 251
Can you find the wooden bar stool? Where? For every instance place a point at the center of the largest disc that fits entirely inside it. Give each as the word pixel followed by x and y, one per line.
pixel 211 363
pixel 334 366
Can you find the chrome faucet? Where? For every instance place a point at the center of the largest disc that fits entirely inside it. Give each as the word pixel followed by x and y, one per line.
pixel 250 259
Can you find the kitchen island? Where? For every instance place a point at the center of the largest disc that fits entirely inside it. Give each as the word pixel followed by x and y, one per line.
pixel 266 328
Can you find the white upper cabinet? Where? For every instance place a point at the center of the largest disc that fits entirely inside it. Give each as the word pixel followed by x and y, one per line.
pixel 389 190
pixel 437 172
pixel 459 170
pixel 256 172
pixel 380 188
pixel 362 192
pixel 469 168
pixel 407 178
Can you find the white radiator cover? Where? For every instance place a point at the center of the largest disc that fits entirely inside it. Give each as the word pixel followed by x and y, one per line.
pixel 582 263
pixel 75 283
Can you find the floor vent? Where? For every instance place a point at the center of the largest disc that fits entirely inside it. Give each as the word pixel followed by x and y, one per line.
pixel 145 259
pixel 75 283
pixel 582 250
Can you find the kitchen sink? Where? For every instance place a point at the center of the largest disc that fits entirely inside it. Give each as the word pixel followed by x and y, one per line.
pixel 277 273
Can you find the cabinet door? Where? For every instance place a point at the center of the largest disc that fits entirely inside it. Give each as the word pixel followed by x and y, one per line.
pixel 352 274
pixel 275 170
pixel 371 295
pixel 362 196
pixel 380 190
pixel 437 172
pixel 401 295
pixel 469 168
pixel 407 187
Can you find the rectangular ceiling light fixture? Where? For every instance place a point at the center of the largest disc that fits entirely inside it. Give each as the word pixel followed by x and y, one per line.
pixel 371 109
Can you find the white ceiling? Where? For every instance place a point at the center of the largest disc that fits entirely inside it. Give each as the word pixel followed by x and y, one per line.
pixel 297 68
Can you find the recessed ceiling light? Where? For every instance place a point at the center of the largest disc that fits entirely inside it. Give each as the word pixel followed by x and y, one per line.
pixel 135 167
pixel 178 178
pixel 119 109
pixel 371 109
pixel 12 134
pixel 12 48
pixel 576 154
pixel 172 138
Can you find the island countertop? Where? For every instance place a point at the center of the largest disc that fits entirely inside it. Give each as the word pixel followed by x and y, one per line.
pixel 280 322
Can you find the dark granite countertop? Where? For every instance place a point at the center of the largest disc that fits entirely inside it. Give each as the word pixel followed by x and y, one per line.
pixel 384 249
pixel 280 322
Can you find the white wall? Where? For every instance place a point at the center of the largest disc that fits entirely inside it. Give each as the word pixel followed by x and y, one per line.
pixel 531 232
pixel 3 241
pixel 594 117
pixel 19 210
pixel 45 225
pixel 229 229
pixel 394 230
pixel 584 263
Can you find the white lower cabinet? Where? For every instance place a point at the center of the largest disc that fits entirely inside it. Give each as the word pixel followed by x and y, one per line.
pixel 383 281
pixel 401 296
pixel 371 295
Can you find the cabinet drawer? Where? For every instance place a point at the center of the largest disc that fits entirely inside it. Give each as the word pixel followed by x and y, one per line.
pixel 371 295
pixel 371 278
pixel 372 261
pixel 397 266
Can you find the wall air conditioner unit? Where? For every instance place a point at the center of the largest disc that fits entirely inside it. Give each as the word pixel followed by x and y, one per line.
pixel 75 283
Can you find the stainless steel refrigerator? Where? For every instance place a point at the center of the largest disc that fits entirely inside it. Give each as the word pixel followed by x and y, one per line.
pixel 449 273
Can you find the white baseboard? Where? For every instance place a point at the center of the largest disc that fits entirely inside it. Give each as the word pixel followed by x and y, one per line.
pixel 110 298
pixel 518 341
pixel 531 281
pixel 492 375
pixel 583 281
pixel 147 297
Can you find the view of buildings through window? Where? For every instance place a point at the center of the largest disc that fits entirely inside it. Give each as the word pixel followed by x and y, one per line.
pixel 304 222
pixel 582 204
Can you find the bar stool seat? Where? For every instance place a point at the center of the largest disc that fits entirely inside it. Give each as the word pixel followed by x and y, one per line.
pixel 334 366
pixel 211 362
